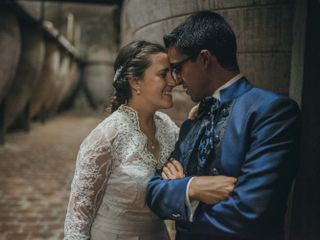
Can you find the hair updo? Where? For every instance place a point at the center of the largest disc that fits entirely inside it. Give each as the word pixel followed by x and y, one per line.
pixel 132 61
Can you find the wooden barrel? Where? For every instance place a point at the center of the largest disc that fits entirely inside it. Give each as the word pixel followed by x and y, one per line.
pixel 28 73
pixel 99 40
pixel 43 94
pixel 70 82
pixel 263 30
pixel 10 44
pixel 99 77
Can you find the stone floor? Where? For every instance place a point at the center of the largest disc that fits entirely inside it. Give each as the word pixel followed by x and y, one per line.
pixel 36 169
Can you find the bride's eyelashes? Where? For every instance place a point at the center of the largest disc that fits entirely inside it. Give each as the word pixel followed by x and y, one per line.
pixel 163 73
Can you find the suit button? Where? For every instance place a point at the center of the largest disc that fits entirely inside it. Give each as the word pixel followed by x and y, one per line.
pixel 216 139
pixel 214 171
pixel 225 112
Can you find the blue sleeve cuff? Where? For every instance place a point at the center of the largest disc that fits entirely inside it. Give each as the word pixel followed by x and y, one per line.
pixel 167 198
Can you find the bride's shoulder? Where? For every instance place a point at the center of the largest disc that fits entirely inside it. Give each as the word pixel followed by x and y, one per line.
pixel 117 121
pixel 165 119
pixel 162 116
pixel 107 128
pixel 113 121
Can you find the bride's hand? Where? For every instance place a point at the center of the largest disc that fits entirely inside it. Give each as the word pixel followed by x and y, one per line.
pixel 172 170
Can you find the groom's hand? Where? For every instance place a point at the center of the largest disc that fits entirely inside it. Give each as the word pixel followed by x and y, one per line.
pixel 172 169
pixel 211 189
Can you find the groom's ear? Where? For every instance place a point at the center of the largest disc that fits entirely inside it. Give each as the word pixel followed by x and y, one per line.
pixel 205 58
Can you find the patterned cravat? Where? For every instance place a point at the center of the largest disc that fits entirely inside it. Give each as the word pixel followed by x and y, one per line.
pixel 208 108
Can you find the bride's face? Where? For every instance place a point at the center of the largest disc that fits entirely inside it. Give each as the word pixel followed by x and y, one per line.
pixel 157 84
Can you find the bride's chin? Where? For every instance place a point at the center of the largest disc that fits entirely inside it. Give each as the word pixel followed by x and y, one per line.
pixel 169 104
pixel 165 103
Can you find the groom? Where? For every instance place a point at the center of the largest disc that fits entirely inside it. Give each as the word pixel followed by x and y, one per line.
pixel 239 131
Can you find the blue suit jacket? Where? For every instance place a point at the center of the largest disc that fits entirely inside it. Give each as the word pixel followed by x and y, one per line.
pixel 256 141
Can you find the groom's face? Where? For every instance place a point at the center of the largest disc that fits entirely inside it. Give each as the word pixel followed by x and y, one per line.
pixel 188 72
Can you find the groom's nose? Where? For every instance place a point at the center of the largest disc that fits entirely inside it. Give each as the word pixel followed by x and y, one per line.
pixel 174 83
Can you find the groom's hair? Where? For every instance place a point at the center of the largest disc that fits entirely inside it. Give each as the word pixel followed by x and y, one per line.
pixel 205 30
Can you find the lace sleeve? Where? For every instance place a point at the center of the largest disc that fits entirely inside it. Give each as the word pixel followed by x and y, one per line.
pixel 93 166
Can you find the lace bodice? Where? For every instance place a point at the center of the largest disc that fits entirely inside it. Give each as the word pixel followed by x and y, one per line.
pixel 112 171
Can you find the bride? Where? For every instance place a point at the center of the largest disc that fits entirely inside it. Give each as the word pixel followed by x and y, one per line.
pixel 116 160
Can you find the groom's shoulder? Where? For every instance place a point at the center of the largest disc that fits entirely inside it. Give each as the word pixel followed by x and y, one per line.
pixel 260 97
pixel 260 103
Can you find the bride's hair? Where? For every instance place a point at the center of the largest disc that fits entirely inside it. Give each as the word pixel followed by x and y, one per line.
pixel 132 61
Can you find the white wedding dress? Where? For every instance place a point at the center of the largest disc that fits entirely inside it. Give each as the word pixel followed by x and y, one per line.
pixel 107 199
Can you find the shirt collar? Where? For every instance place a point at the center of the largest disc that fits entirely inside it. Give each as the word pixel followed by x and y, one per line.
pixel 216 94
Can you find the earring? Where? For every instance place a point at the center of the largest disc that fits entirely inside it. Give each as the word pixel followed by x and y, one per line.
pixel 138 92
